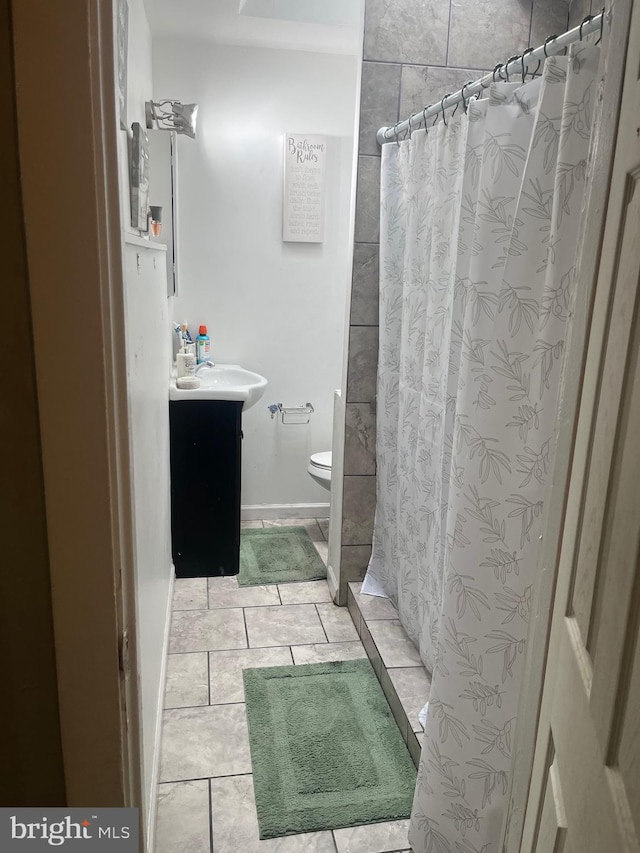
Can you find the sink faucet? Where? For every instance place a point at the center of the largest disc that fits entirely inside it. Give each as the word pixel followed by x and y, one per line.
pixel 207 363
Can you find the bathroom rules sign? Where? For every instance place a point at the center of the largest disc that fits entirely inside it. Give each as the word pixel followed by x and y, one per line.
pixel 304 188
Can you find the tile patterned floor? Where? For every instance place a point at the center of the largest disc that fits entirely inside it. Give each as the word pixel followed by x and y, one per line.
pixel 205 797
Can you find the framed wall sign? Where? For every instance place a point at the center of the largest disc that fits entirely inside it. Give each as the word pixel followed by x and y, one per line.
pixel 304 188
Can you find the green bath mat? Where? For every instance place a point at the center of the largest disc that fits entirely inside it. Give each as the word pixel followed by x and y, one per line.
pixel 325 749
pixel 278 554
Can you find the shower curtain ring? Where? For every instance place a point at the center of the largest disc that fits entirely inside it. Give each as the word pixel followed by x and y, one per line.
pixel 395 131
pixel 522 58
pixel 601 27
pixel 546 42
pixel 506 66
pixel 442 108
pixel 496 71
pixel 424 118
pixel 584 21
pixel 465 103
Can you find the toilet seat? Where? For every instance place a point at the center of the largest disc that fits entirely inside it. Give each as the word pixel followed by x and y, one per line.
pixel 320 468
pixel 321 460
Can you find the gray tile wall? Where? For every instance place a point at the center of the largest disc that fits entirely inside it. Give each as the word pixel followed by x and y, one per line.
pixel 415 51
pixel 579 9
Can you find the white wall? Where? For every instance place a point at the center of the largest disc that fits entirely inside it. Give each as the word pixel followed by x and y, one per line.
pixel 148 365
pixel 148 360
pixel 277 308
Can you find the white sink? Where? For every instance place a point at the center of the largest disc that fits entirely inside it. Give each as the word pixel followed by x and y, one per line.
pixel 223 382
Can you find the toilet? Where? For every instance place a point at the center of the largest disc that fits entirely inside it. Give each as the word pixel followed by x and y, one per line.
pixel 320 468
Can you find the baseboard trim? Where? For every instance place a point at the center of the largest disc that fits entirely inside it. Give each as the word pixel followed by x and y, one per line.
pixel 155 768
pixel 258 512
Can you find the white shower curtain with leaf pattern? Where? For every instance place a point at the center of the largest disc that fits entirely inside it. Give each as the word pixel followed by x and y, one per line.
pixel 479 222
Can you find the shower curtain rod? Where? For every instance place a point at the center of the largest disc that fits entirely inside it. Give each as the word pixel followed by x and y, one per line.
pixel 553 45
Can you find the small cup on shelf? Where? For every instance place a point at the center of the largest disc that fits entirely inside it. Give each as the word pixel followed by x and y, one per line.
pixel 155 220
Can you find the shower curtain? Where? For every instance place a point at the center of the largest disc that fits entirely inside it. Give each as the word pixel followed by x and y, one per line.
pixel 479 222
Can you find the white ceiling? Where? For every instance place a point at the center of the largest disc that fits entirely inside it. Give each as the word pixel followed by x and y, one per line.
pixel 325 26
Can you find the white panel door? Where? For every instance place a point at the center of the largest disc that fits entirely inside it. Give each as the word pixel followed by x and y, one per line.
pixel 585 790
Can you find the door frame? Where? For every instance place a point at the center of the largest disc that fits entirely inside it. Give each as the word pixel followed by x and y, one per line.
pixel 66 119
pixel 602 149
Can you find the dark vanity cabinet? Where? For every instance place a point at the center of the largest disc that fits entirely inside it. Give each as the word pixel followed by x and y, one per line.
pixel 205 487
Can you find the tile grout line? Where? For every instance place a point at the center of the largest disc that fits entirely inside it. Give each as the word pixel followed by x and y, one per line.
pixel 203 778
pixel 246 630
pixel 213 705
pixel 402 62
pixel 324 630
pixel 208 678
pixel 476 71
pixel 335 843
pixel 251 648
pixel 229 607
pixel 210 815
pixel 295 603
pixel 531 23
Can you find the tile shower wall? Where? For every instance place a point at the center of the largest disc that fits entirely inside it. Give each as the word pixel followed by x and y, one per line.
pixel 414 52
pixel 578 9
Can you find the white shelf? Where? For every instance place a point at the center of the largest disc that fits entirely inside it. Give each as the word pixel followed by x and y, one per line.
pixel 133 240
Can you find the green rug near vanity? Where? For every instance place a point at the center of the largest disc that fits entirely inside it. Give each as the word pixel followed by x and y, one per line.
pixel 325 748
pixel 278 555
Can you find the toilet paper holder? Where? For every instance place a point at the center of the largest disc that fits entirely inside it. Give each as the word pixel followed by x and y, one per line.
pixel 292 414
